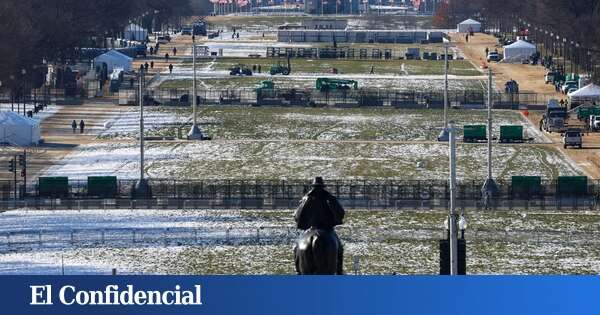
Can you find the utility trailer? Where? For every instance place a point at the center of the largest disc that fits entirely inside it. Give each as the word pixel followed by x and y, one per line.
pixel 475 133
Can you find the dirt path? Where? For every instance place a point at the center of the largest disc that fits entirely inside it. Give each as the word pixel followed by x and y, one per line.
pixel 530 78
pixel 59 138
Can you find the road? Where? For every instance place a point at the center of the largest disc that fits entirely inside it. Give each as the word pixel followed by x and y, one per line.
pixel 530 78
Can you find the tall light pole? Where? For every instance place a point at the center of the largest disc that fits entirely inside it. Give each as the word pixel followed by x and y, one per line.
pixel 195 133
pixel 452 215
pixel 142 189
pixel 444 135
pixel 489 188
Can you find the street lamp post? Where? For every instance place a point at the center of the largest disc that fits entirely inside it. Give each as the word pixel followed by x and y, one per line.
pixel 489 188
pixel 444 135
pixel 142 189
pixel 452 215
pixel 195 133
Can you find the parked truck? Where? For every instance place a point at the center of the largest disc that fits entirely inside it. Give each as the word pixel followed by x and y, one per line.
pixel 281 69
pixel 594 122
pixel 573 137
pixel 554 118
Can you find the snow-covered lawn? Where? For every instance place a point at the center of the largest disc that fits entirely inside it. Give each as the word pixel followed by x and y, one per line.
pixel 297 123
pixel 385 242
pixel 301 160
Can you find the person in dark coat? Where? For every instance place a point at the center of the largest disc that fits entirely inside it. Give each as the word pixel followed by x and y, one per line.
pixel 74 126
pixel 319 209
pixel 81 126
pixel 174 51
pixel 171 68
pixel 319 251
pixel 151 64
pixel 167 57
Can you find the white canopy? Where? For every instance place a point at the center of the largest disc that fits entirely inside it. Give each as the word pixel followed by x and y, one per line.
pixel 519 51
pixel 18 130
pixel 589 93
pixel 469 25
pixel 135 32
pixel 114 59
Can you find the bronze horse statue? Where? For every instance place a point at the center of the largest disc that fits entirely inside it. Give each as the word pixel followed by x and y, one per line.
pixel 319 250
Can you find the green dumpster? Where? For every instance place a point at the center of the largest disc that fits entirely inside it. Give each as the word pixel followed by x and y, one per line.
pixel 102 186
pixel 511 133
pixel 572 185
pixel 474 133
pixel 526 185
pixel 54 187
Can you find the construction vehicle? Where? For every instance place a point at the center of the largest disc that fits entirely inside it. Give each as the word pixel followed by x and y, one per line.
pixel 265 85
pixel 594 123
pixel 326 84
pixel 281 69
pixel 240 69
pixel 474 133
pixel 511 134
pixel 554 118
pixel 573 137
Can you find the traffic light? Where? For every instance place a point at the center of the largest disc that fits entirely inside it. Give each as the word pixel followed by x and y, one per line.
pixel 22 160
pixel 11 166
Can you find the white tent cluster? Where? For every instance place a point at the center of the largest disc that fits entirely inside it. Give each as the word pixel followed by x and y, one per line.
pixel 589 93
pixel 114 59
pixel 518 51
pixel 468 26
pixel 18 130
pixel 135 32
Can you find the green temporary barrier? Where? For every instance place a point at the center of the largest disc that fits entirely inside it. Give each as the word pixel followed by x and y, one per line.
pixel 56 187
pixel 572 185
pixel 102 186
pixel 511 133
pixel 526 185
pixel 474 133
pixel 584 112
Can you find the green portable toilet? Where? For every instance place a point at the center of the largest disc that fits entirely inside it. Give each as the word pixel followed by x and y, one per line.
pixel 102 186
pixel 54 187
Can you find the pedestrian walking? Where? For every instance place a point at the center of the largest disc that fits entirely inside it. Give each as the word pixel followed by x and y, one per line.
pixel 194 38
pixel 151 50
pixel 174 51
pixel 487 51
pixel 146 66
pixel 167 57
pixel 171 68
pixel 81 126
pixel 259 68
pixel 151 64
pixel 237 36
pixel 467 38
pixel 74 126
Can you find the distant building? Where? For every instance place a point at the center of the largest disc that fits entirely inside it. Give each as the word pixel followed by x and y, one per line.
pixel 332 6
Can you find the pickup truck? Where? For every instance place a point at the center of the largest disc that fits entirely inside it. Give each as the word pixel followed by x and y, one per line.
pixel 594 123
pixel 573 138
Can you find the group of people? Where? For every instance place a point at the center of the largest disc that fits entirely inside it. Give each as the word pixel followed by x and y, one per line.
pixel 81 126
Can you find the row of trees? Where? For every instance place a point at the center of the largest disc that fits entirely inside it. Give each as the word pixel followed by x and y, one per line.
pixel 34 31
pixel 571 20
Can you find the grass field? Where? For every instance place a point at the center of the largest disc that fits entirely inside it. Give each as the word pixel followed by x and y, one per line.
pixel 385 242
pixel 349 66
pixel 299 123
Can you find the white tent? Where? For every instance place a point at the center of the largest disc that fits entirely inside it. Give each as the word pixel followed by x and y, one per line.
pixel 519 51
pixel 469 25
pixel 589 93
pixel 18 130
pixel 114 59
pixel 135 32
